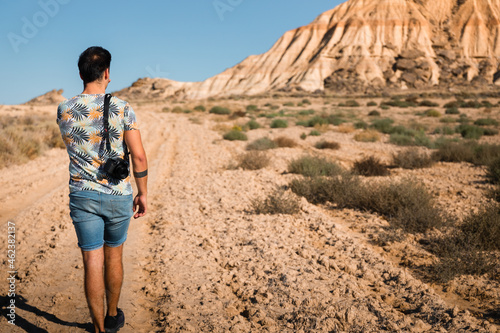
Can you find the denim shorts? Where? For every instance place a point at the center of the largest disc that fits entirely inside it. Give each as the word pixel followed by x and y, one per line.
pixel 100 218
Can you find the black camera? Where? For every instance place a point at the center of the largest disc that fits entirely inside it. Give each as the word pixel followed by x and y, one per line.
pixel 117 168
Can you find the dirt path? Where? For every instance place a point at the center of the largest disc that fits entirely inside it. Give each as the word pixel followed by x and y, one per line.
pixel 200 262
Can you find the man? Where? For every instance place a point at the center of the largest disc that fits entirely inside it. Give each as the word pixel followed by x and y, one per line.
pixel 101 205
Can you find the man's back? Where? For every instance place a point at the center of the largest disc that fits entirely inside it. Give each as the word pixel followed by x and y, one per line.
pixel 81 123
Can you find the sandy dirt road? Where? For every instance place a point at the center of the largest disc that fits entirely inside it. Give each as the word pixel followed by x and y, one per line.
pixel 201 262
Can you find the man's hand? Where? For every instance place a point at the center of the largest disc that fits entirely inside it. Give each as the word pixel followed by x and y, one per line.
pixel 140 206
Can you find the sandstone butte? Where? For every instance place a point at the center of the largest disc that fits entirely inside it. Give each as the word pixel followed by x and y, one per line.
pixel 363 46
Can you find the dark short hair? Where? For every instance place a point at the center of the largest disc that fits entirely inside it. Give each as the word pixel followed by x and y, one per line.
pixel 93 62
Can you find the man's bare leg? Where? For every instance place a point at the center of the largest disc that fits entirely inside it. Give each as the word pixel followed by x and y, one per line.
pixel 93 262
pixel 113 274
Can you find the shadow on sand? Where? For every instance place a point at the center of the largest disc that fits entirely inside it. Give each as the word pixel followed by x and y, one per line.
pixel 22 303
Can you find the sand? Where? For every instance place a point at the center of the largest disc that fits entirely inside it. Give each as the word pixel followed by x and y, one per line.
pixel 202 262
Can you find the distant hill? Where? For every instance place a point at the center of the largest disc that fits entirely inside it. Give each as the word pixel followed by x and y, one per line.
pixel 361 46
pixel 52 97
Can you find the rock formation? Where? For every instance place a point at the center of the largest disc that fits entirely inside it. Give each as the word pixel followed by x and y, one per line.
pixel 364 45
pixel 52 97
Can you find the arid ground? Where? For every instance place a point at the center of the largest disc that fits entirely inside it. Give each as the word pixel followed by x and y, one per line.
pixel 204 261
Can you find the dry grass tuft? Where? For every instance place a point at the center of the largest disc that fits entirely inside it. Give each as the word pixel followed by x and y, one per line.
pixel 412 158
pixel 253 160
pixel 27 137
pixel 285 142
pixel 370 167
pixel 327 145
pixel 367 136
pixel 345 128
pixel 278 202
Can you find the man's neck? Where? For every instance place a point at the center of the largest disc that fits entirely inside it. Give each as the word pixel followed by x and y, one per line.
pixel 94 89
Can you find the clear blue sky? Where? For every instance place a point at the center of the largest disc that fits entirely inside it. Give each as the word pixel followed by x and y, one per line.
pixel 188 40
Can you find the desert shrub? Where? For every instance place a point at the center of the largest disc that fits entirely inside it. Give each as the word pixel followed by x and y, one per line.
pixel 367 136
pixel 315 133
pixel 371 103
pixel 327 145
pixel 351 103
pixel 303 136
pixel 318 190
pixel 261 144
pixel 445 130
pixel 306 101
pixel 398 103
pixel 317 121
pixel 253 160
pixel 360 125
pixel 272 106
pixel 235 135
pixel 452 110
pixel 486 122
pixel 406 204
pixel 463 119
pixel 289 104
pixel 238 114
pixel 471 104
pixel 374 113
pixel 310 166
pixel 455 152
pixel 487 104
pixel 428 103
pixel 470 131
pixel 220 110
pixel 279 123
pixel 400 129
pixel 253 124
pixel 252 107
pixel 483 229
pixel 494 170
pixel 402 139
pixel 468 250
pixel 335 120
pixel 306 112
pixel 284 142
pixel 200 108
pixel 177 109
pixel 453 104
pixel 370 167
pixel 272 115
pixel 447 120
pixel 468 151
pixel 409 139
pixel 412 158
pixel 384 107
pixel 383 125
pixel 278 202
pixel 458 258
pixel 490 131
pixel 433 113
pixel 417 126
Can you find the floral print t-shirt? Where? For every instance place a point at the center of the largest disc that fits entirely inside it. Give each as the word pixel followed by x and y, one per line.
pixel 80 121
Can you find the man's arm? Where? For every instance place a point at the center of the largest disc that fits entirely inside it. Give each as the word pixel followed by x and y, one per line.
pixel 140 168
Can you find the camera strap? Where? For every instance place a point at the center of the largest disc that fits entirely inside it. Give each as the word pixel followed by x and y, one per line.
pixel 107 100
